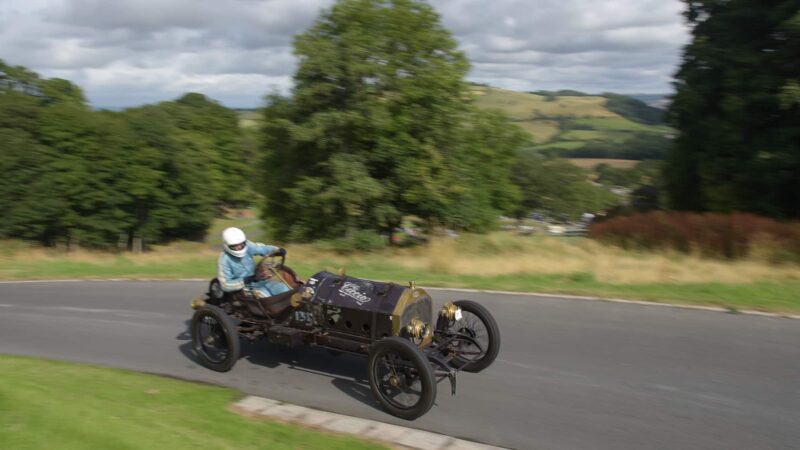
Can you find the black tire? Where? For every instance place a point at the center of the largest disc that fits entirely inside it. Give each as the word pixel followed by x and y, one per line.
pixel 397 358
pixel 215 338
pixel 489 331
pixel 215 292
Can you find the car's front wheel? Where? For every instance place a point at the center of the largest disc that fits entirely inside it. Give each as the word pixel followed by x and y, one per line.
pixel 401 378
pixel 215 338
pixel 475 336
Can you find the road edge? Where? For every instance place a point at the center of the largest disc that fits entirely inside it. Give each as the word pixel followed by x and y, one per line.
pixel 749 312
pixel 393 435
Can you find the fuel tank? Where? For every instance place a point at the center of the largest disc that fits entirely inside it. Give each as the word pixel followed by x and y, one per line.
pixel 370 308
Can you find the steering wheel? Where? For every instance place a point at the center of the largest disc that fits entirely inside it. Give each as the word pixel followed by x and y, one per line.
pixel 268 267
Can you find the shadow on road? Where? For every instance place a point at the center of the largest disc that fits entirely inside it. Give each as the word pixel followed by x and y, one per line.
pixel 347 372
pixel 186 347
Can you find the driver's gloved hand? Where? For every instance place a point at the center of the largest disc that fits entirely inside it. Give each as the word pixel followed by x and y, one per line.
pixel 279 252
pixel 243 294
pixel 250 279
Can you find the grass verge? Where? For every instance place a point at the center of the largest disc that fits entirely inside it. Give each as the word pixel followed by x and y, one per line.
pixel 499 261
pixel 49 404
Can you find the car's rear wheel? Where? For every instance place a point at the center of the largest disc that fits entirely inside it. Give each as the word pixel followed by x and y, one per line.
pixel 401 378
pixel 475 336
pixel 215 338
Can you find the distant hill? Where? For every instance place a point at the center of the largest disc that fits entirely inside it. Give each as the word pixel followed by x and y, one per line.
pixel 655 100
pixel 571 123
pixel 579 125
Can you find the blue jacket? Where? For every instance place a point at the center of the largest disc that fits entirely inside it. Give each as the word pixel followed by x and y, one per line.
pixel 232 270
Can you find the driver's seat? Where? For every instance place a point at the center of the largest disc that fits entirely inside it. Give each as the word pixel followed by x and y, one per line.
pixel 273 306
pixel 277 304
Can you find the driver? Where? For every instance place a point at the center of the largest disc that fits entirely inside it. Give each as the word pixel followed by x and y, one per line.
pixel 235 269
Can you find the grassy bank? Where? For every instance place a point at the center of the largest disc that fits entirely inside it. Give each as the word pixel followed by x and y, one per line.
pixel 498 261
pixel 47 404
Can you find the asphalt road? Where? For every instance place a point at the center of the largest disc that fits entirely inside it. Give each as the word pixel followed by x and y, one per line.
pixel 571 374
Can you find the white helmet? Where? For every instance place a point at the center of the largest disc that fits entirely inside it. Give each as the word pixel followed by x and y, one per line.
pixel 234 242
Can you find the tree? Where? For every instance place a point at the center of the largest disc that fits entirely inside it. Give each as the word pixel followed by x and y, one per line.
pixel 148 174
pixel 216 129
pixel 737 109
pixel 557 187
pixel 380 96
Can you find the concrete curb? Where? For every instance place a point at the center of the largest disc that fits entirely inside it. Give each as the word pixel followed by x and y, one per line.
pixel 748 312
pixel 393 435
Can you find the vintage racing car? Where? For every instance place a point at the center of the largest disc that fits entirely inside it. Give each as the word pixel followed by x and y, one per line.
pixel 409 350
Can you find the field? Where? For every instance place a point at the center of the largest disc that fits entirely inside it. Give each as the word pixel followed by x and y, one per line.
pixel 591 163
pixel 540 130
pixel 524 106
pixel 248 118
pixel 48 404
pixel 502 260
pixel 565 122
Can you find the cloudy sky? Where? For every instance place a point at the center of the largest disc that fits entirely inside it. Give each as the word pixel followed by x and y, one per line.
pixel 130 52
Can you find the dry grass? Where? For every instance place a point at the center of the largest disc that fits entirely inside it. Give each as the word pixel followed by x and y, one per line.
pixel 540 130
pixel 504 253
pixel 522 106
pixel 500 253
pixel 173 253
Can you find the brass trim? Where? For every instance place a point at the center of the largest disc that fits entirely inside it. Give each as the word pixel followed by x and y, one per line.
pixel 428 338
pixel 408 296
pixel 197 303
pixel 296 299
pixel 405 299
pixel 416 328
pixel 449 311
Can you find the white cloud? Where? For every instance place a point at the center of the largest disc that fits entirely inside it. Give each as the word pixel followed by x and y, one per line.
pixel 128 52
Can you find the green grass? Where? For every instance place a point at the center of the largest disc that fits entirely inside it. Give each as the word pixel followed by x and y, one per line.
pixel 48 404
pixel 620 124
pixel 117 267
pixel 764 296
pixel 595 135
pixel 776 296
pixel 560 145
pixel 497 261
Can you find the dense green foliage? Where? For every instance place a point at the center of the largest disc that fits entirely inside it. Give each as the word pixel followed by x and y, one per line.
pixel 633 109
pixel 557 187
pixel 643 174
pixel 737 109
pixel 638 146
pixel 380 125
pixel 72 175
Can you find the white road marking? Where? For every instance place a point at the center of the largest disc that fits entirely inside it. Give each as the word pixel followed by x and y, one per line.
pixel 40 281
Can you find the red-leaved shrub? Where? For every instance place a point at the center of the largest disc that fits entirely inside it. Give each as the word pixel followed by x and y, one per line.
pixel 734 235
